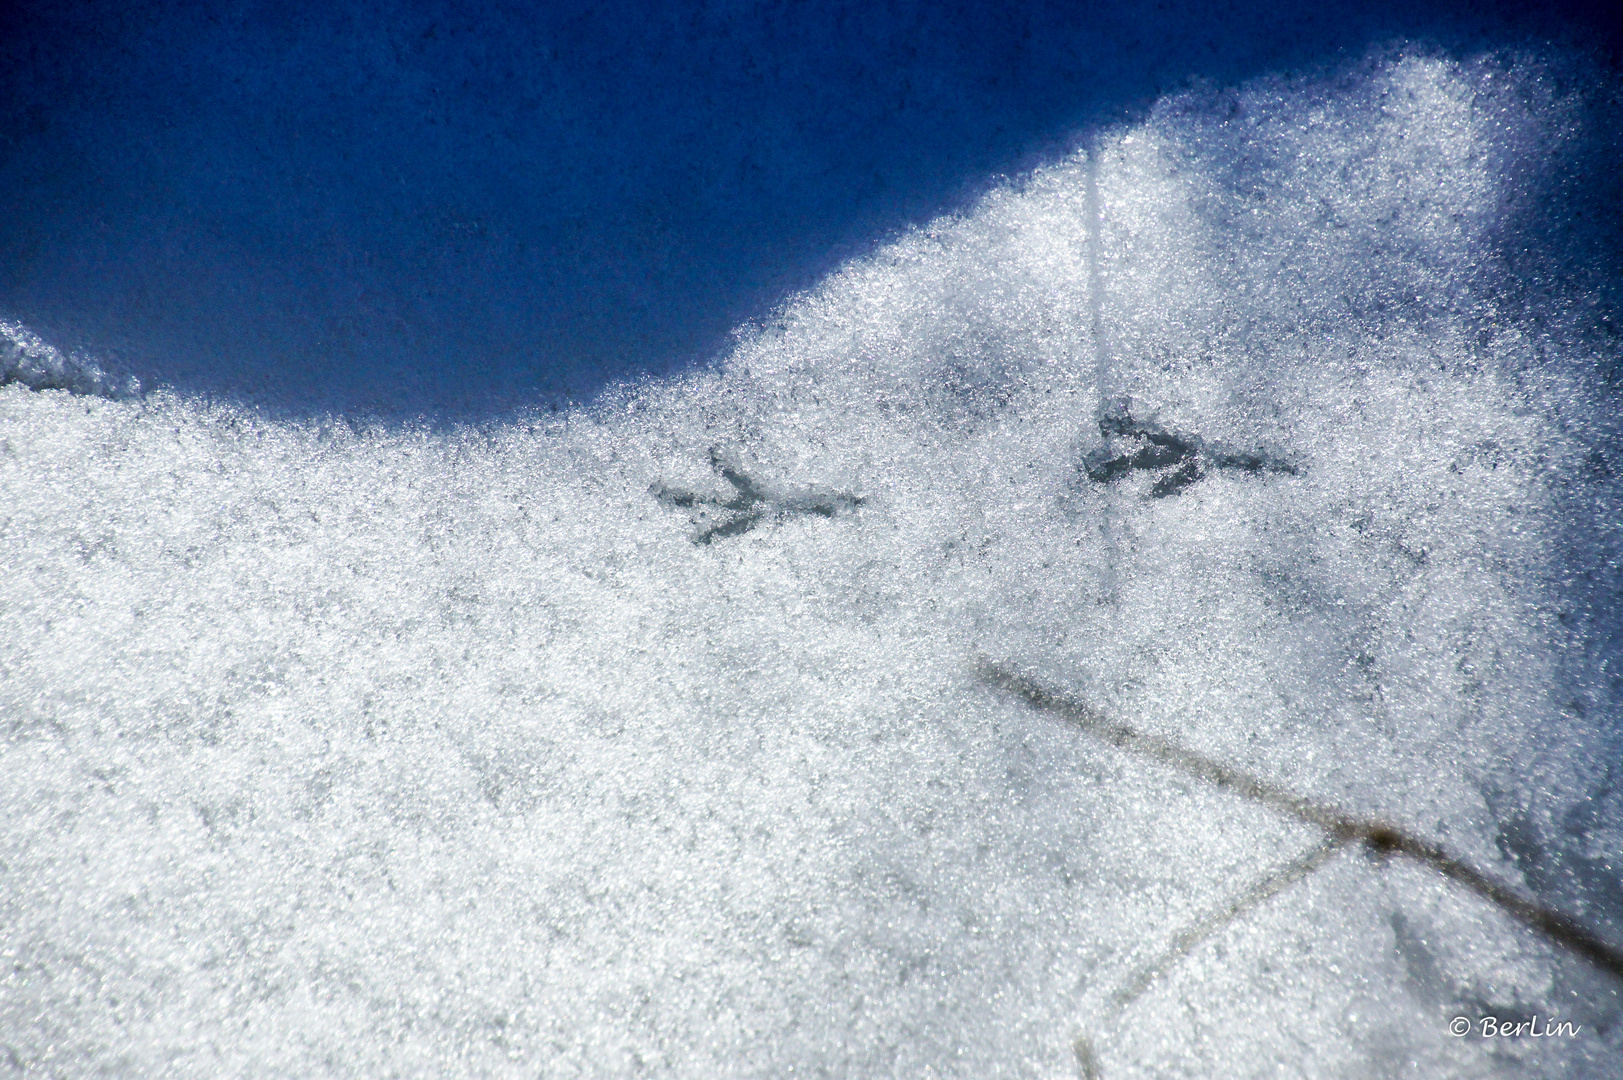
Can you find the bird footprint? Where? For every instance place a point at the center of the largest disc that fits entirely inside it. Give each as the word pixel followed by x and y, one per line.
pixel 718 517
pixel 1179 460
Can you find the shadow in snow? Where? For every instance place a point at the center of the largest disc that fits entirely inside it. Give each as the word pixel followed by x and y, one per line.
pixel 456 209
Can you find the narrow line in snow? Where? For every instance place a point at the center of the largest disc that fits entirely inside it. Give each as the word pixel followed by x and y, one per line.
pixel 1380 837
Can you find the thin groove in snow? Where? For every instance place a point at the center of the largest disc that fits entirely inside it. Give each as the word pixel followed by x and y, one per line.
pixel 1342 828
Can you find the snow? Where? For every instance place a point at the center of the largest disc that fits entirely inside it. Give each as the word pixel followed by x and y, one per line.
pixel 647 738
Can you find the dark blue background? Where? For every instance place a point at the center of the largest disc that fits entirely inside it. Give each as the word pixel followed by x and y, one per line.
pixel 448 208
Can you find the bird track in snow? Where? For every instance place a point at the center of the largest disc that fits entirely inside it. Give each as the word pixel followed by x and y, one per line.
pixel 1180 460
pixel 751 504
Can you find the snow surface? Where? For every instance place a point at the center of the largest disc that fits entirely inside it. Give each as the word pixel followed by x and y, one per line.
pixel 646 738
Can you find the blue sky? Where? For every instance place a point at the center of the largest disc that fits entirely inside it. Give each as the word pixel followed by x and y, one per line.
pixel 448 208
